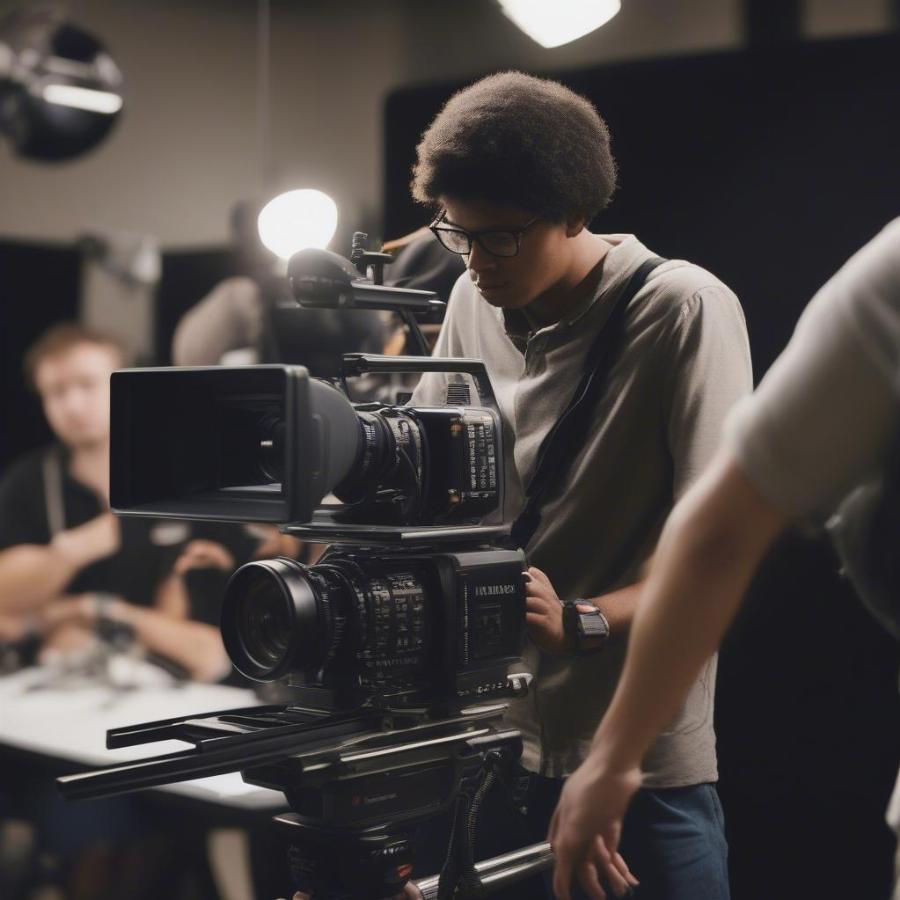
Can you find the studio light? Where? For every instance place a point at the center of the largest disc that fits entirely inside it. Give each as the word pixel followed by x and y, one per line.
pixel 60 90
pixel 82 98
pixel 296 220
pixel 559 22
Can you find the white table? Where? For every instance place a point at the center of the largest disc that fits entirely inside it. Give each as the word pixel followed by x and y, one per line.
pixel 70 724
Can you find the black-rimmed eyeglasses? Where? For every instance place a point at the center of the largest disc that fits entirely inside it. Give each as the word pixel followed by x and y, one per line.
pixel 493 241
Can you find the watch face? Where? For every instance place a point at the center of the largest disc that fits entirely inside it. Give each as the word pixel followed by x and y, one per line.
pixel 588 627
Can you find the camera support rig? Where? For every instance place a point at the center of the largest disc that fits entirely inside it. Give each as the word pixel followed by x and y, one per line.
pixel 344 775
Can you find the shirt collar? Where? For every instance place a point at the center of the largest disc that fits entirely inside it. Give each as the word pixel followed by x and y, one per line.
pixel 625 255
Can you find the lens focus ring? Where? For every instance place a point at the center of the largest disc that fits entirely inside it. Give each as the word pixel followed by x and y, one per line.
pixel 271 623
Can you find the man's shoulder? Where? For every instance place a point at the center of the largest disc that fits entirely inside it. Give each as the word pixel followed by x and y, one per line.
pixel 236 291
pixel 680 292
pixel 25 471
pixel 677 280
pixel 887 241
pixel 672 283
pixel 875 267
pixel 22 513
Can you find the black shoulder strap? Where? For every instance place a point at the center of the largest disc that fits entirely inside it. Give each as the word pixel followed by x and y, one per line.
pixel 54 498
pixel 570 430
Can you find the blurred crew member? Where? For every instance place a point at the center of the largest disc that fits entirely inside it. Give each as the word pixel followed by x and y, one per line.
pixel 66 562
pixel 254 311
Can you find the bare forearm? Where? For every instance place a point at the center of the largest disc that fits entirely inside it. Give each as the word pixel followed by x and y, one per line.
pixel 195 646
pixel 707 555
pixel 32 575
pixel 619 608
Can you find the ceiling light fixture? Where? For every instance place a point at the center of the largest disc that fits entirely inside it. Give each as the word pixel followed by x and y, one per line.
pixel 559 22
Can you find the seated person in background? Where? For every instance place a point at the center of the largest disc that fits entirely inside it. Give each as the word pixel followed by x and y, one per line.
pixel 255 311
pixel 66 562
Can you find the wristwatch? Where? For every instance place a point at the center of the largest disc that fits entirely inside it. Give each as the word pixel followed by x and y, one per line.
pixel 586 632
pixel 103 601
pixel 110 629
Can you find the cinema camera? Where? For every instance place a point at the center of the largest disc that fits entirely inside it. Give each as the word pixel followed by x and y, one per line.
pixel 396 645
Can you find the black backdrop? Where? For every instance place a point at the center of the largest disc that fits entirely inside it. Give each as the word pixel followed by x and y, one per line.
pixel 39 284
pixel 769 168
pixel 187 276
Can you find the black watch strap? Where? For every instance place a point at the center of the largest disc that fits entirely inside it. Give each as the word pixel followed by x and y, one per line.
pixel 587 632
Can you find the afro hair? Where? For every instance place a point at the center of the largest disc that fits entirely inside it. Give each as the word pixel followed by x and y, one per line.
pixel 518 140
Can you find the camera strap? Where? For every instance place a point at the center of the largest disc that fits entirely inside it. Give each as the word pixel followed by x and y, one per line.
pixel 570 430
pixel 54 498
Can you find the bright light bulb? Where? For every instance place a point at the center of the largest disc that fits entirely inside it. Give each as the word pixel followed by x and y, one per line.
pixel 82 98
pixel 296 220
pixel 559 22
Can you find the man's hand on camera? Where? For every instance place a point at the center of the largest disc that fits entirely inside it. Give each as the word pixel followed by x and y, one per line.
pixel 202 554
pixel 544 614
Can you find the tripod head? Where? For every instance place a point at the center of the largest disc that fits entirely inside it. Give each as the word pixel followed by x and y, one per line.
pixel 358 783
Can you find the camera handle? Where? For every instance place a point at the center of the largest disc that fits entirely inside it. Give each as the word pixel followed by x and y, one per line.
pixel 371 262
pixel 368 261
pixel 356 364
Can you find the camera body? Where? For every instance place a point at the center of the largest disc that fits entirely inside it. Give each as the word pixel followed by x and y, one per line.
pixel 415 603
pixel 403 627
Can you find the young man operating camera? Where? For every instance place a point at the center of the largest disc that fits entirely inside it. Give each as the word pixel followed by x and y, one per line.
pixel 516 168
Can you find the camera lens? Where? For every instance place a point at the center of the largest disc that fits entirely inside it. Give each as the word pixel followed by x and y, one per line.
pixel 265 621
pixel 271 620
pixel 351 623
pixel 386 480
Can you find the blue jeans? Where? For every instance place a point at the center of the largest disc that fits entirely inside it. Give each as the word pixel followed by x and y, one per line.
pixel 673 840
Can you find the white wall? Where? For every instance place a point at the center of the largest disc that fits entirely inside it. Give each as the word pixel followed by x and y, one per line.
pixel 187 145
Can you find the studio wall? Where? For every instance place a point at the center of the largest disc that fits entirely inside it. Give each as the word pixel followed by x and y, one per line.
pixel 186 147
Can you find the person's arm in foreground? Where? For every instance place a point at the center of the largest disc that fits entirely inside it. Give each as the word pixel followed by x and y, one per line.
pixel 820 423
pixel 708 552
